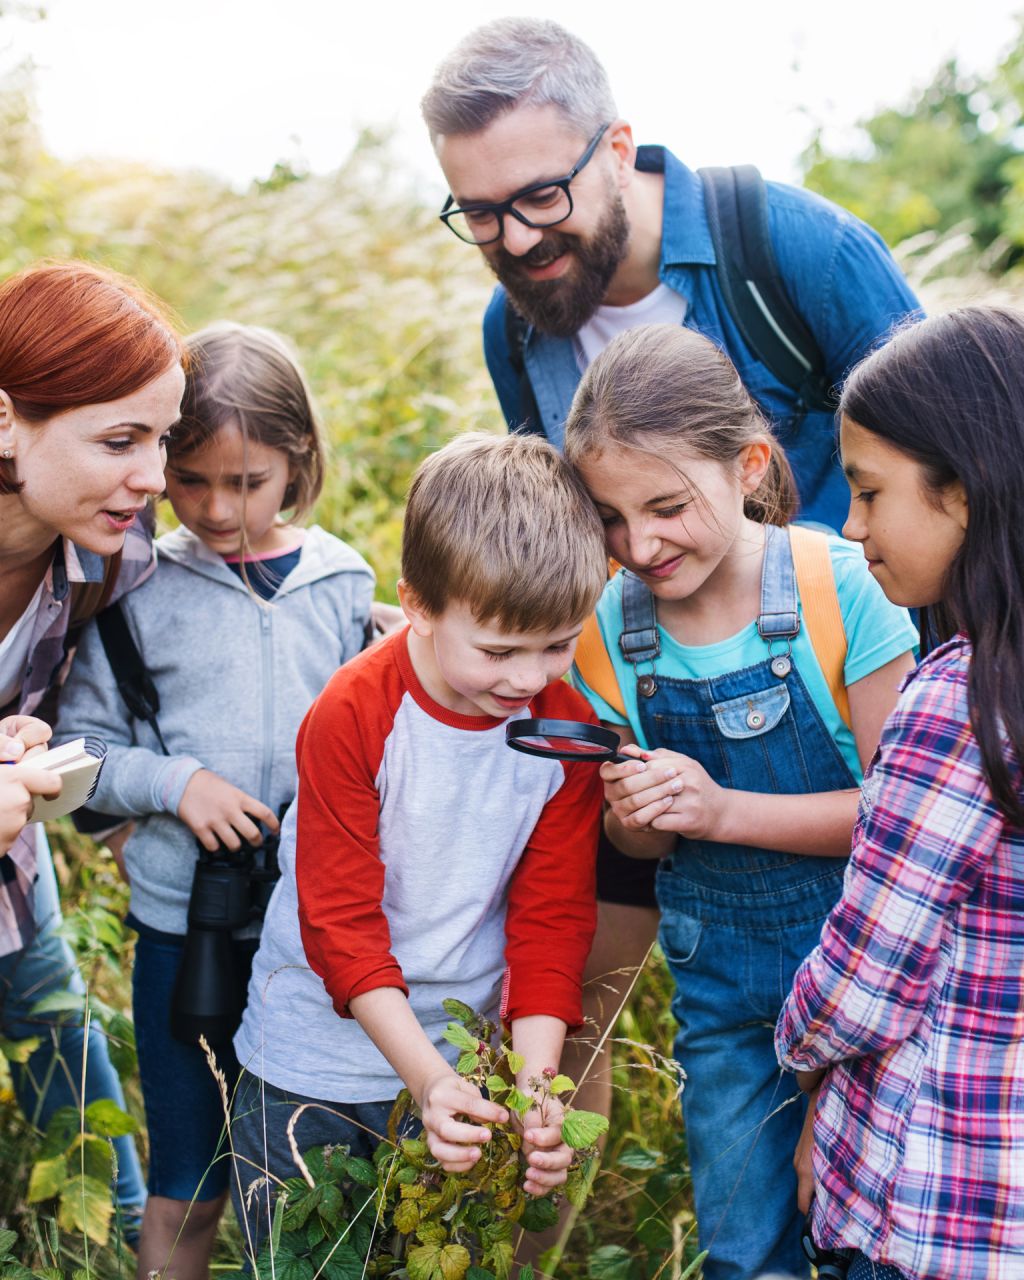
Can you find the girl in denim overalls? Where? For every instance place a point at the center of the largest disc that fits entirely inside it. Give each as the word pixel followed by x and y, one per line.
pixel 746 775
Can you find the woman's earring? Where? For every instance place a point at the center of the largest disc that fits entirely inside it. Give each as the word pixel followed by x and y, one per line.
pixel 8 453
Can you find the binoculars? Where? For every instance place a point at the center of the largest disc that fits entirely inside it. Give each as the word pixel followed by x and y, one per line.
pixel 831 1264
pixel 230 889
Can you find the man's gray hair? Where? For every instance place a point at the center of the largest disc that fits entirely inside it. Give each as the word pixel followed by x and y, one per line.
pixel 514 62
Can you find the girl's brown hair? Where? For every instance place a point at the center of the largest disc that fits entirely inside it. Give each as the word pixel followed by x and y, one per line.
pixel 72 334
pixel 660 387
pixel 246 375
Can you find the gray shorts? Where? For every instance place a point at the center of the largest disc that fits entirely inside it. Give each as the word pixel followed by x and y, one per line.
pixel 259 1143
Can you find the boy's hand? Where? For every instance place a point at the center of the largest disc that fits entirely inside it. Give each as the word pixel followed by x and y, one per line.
pixel 665 791
pixel 548 1157
pixel 18 789
pixel 455 1143
pixel 21 735
pixel 216 811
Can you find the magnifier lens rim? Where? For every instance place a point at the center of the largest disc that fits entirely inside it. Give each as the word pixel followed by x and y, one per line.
pixel 573 730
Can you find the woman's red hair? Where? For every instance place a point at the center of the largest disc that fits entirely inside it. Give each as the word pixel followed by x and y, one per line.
pixel 73 334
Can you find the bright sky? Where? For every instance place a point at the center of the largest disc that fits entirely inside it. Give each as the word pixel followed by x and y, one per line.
pixel 233 85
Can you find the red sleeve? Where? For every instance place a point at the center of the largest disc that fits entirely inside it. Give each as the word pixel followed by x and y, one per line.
pixel 552 905
pixel 338 871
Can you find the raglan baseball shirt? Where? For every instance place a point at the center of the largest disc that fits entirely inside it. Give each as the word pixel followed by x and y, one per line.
pixel 422 853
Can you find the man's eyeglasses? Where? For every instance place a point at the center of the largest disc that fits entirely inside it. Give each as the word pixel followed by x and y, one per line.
pixel 545 204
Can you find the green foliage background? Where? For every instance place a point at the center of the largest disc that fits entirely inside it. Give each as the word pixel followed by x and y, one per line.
pixel 383 305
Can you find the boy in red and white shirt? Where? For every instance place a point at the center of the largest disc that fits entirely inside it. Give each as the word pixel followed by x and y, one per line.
pixel 423 859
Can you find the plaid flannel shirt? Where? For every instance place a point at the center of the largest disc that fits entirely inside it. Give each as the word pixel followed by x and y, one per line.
pixel 915 999
pixel 47 655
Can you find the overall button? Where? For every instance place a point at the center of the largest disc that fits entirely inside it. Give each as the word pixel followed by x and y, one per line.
pixel 781 666
pixel 755 719
pixel 646 686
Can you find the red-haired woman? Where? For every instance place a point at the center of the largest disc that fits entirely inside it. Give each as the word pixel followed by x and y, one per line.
pixel 91 380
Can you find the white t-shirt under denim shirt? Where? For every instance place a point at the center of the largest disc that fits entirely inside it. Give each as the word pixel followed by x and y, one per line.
pixel 661 306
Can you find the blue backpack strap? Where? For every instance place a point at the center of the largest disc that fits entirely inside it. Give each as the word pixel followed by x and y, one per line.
pixel 754 290
pixel 639 640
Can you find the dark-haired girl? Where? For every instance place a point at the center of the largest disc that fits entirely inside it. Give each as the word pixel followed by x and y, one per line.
pixel 913 1004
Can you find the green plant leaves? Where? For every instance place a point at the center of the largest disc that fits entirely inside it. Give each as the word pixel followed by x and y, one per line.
pixel 106 1118
pixel 85 1206
pixel 361 1171
pixel 467 1063
pixel 19 1050
pixel 456 1009
pixel 517 1100
pixel 610 1262
pixel 582 1129
pixel 46 1179
pixel 634 1156
pixel 121 1045
pixel 562 1084
pixel 423 1262
pixel 457 1035
pixel 539 1214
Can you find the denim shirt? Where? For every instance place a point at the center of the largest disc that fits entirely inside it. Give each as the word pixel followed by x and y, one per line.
pixel 839 275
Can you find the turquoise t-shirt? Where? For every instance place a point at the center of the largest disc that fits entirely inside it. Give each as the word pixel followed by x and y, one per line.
pixel 876 632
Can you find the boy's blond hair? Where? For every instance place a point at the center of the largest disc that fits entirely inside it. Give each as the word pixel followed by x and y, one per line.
pixel 501 524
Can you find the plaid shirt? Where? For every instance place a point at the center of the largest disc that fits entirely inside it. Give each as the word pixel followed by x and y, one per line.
pixel 46 660
pixel 915 999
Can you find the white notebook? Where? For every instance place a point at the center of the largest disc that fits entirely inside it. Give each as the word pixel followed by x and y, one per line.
pixel 78 763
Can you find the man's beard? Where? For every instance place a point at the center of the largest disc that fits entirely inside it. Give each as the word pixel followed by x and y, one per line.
pixel 561 306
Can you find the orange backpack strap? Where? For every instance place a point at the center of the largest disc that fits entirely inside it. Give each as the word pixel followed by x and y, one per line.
pixel 819 605
pixel 595 666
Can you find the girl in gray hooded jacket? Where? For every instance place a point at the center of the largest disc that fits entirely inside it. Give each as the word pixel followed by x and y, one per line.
pixel 245 620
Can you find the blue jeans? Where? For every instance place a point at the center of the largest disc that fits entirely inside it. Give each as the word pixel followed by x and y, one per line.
pixel 188 1152
pixel 51 1078
pixel 259 1142
pixel 742 1115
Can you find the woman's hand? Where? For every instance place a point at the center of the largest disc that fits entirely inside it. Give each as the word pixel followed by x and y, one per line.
pixel 18 790
pixel 20 736
pixel 665 791
pixel 215 812
pixel 456 1143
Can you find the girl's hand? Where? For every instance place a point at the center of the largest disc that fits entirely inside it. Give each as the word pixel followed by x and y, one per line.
pixel 215 812
pixel 803 1158
pixel 456 1143
pixel 21 735
pixel 18 789
pixel 665 791
pixel 547 1156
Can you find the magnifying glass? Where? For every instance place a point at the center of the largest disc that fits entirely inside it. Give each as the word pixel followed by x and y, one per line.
pixel 565 740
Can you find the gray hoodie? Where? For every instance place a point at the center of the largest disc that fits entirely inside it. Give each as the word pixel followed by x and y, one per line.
pixel 235 677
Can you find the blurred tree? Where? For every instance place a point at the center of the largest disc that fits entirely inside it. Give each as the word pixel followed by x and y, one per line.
pixel 949 158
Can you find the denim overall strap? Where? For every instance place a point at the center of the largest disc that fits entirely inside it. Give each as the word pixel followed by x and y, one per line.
pixel 639 641
pixel 779 618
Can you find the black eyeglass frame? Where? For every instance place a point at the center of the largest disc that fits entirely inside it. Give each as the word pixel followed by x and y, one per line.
pixel 506 206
